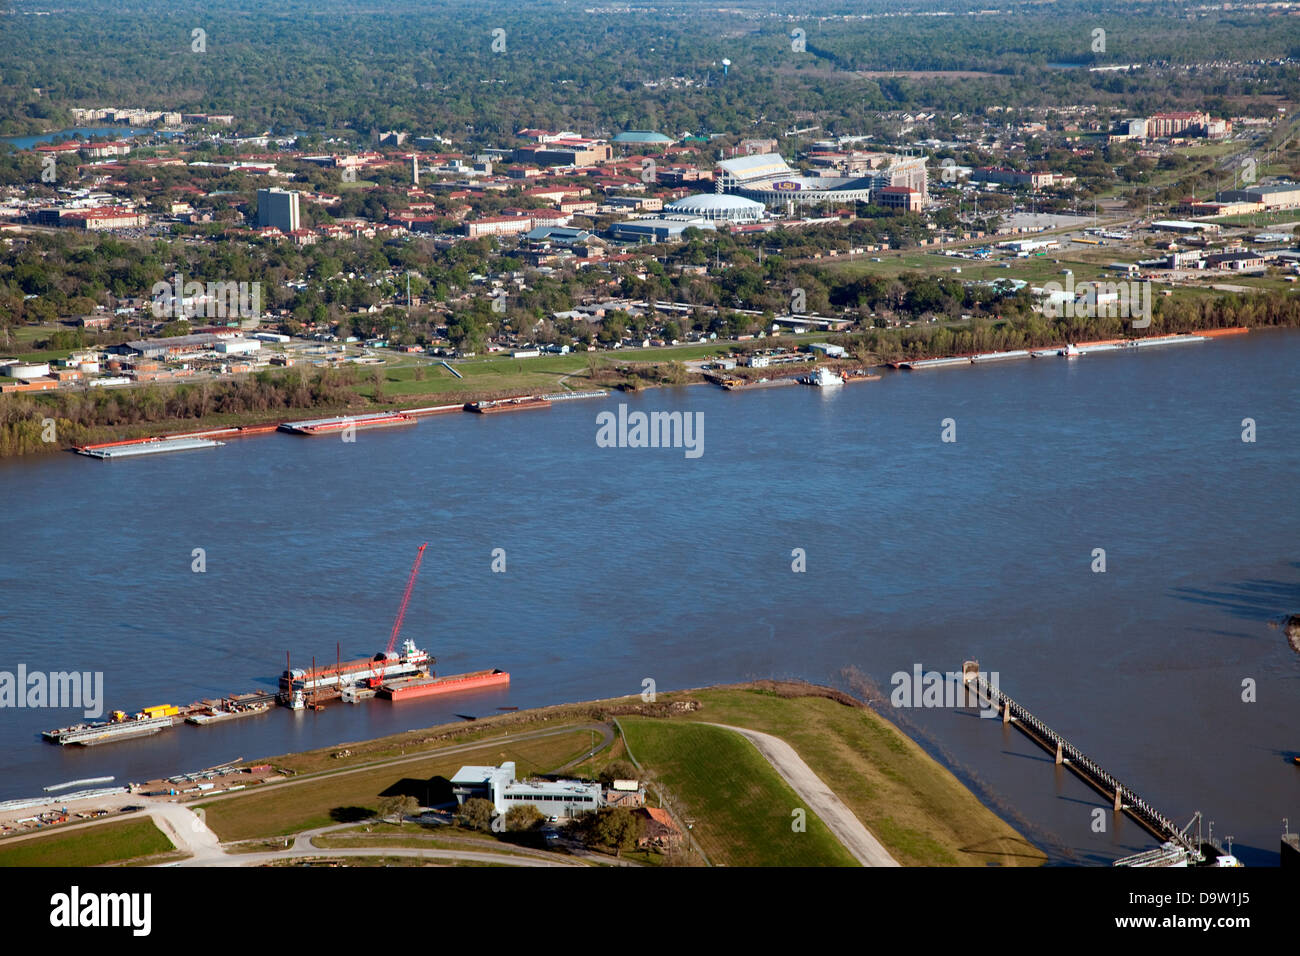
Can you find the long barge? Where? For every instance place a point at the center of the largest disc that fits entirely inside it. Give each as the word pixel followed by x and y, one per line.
pixel 523 403
pixel 123 728
pixel 148 446
pixel 411 688
pixel 333 426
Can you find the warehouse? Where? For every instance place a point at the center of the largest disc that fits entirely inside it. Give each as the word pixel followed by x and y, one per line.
pixel 1272 196
pixel 657 229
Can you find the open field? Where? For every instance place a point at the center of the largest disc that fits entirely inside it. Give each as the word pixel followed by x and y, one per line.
pixel 286 808
pixel 114 842
pixel 741 808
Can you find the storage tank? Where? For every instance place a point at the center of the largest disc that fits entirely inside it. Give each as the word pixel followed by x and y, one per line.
pixel 26 370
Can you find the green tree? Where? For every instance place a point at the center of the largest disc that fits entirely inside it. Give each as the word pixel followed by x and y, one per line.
pixel 476 814
pixel 616 828
pixel 394 809
pixel 523 817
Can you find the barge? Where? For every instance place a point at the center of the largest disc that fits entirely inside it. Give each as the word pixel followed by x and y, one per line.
pixel 520 404
pixel 334 426
pixel 213 715
pixel 147 446
pixel 296 683
pixel 427 686
pixel 121 727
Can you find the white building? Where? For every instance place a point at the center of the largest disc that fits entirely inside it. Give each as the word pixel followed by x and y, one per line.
pixel 553 798
pixel 239 347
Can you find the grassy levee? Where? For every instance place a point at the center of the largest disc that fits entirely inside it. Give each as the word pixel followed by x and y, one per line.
pixel 921 813
pixel 743 810
pixel 114 842
pixel 291 807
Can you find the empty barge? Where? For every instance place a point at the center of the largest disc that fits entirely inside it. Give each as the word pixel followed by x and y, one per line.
pixel 334 426
pixel 427 686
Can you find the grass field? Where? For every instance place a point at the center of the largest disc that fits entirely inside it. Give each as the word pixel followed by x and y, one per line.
pixel 113 842
pixel 1289 216
pixel 287 808
pixel 921 813
pixel 742 809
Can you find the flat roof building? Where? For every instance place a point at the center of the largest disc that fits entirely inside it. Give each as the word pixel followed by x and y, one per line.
pixel 278 208
pixel 655 229
pixel 554 798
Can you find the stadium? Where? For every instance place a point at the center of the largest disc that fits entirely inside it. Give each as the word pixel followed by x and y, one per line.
pixel 768 179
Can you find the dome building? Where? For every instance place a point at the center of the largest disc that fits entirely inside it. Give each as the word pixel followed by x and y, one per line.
pixel 717 207
pixel 641 137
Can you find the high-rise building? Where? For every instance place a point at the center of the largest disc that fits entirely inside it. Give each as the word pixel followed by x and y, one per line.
pixel 278 208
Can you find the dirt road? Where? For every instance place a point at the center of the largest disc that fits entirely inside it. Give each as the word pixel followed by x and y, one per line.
pixel 821 800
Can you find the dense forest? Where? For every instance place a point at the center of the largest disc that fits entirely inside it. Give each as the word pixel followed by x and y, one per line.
pixel 483 70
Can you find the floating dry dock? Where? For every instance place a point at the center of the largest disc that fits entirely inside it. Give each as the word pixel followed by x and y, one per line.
pixel 148 446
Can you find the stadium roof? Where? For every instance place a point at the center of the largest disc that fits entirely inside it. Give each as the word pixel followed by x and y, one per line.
pixel 758 166
pixel 714 205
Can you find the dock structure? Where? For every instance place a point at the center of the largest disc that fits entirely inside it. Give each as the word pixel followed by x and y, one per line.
pixel 1123 798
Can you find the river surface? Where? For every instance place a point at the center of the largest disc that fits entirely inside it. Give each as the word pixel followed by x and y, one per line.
pixel 631 563
pixel 78 133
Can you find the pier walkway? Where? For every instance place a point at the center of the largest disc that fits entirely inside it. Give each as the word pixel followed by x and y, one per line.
pixel 1123 798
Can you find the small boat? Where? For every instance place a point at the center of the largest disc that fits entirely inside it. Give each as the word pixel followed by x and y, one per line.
pixel 1070 351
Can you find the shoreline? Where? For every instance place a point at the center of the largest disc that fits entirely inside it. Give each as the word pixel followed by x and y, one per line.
pixel 748 708
pixel 247 426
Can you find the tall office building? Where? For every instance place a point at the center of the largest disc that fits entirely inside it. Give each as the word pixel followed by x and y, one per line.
pixel 278 208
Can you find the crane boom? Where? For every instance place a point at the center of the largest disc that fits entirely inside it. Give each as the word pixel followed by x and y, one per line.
pixel 406 599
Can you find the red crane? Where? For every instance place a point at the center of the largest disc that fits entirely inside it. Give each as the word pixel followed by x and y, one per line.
pixel 382 659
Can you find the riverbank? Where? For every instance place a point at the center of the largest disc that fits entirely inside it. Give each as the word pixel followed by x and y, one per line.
pixel 737 802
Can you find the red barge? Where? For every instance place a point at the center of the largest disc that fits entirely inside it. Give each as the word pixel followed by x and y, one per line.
pixel 412 687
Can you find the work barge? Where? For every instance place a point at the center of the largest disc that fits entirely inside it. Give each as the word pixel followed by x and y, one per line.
pixel 1178 847
pixel 394 675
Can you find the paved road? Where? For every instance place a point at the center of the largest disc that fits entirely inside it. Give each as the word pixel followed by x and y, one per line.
pixel 821 800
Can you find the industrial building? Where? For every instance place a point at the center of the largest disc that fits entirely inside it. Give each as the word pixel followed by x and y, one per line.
pixel 554 798
pixel 657 228
pixel 576 153
pixel 1270 196
pixel 1183 225
pixel 278 208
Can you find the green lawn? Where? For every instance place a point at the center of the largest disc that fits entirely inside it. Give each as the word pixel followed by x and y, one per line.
pixel 741 808
pixel 921 813
pixel 94 846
